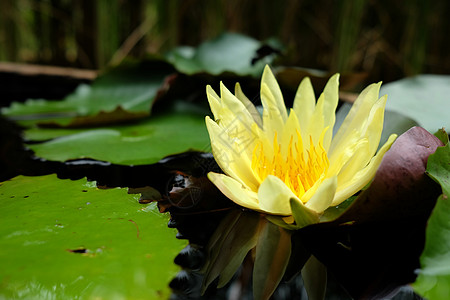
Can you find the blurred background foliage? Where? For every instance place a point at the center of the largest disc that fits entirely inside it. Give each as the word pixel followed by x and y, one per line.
pixel 388 39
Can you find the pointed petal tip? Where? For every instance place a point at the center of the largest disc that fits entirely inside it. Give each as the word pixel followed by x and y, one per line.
pixel 335 77
pixel 306 80
pixel 222 86
pixel 235 190
pixel 211 92
pixel 267 68
pixel 209 121
pixel 302 215
pixel 212 176
pixel 267 73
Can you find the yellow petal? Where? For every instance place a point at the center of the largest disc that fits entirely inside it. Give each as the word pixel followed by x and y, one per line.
pixel 275 100
pixel 364 176
pixel 214 102
pixel 357 116
pixel 312 190
pixel 239 112
pixel 234 190
pixel 374 125
pixel 324 114
pixel 274 196
pixel 230 155
pixel 274 110
pixel 372 133
pixel 357 162
pixel 330 98
pixel 341 156
pixel 323 196
pixel 248 104
pixel 304 103
pixel 236 132
pixel 290 130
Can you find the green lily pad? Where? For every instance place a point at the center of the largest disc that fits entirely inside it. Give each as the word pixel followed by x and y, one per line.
pixel 423 98
pixel 229 52
pixel 120 94
pixel 433 281
pixel 146 142
pixel 62 239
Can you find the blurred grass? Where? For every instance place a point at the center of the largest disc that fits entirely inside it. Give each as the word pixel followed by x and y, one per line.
pixel 387 39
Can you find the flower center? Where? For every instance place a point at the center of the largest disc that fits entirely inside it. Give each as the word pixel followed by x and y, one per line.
pixel 299 169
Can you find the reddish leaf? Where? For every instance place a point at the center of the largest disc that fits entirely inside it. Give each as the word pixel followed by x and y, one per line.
pixel 374 247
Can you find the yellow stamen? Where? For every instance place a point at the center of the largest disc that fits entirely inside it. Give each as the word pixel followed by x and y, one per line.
pixel 299 169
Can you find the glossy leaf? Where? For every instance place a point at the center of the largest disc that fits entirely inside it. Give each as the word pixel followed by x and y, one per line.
pixel 442 135
pixel 124 93
pixel 423 98
pixel 229 52
pixel 146 142
pixel 433 281
pixel 62 239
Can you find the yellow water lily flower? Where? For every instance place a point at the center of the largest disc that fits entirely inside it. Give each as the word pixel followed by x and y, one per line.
pixel 271 159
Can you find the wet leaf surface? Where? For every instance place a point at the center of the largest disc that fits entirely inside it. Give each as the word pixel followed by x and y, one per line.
pixel 65 239
pixel 229 52
pixel 433 281
pixel 145 142
pixel 423 98
pixel 120 94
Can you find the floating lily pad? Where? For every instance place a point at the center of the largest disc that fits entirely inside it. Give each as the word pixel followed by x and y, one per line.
pixel 229 52
pixel 434 275
pixel 120 94
pixel 146 142
pixel 62 239
pixel 424 98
